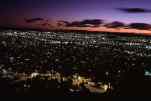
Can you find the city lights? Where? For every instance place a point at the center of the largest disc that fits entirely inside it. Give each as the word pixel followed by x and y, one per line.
pixel 70 62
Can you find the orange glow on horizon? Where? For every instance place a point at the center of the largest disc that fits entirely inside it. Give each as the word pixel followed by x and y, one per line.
pixel 105 29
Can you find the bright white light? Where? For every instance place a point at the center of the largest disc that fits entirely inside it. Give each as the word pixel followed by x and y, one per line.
pixel 34 75
pixel 79 78
pixel 105 87
pixel 147 73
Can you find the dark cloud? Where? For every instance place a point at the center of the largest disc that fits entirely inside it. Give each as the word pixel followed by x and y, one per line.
pixel 95 22
pixel 33 20
pixel 142 26
pixel 62 23
pixel 86 23
pixel 45 24
pixel 75 24
pixel 135 10
pixel 115 24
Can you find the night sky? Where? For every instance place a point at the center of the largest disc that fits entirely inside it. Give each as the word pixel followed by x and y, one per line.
pixel 45 13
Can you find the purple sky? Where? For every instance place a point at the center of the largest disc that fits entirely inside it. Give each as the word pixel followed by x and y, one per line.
pixel 13 12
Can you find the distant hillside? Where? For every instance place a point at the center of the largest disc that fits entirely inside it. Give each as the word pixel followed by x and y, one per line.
pixel 78 31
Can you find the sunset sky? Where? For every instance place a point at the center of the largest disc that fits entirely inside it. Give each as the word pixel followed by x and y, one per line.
pixel 47 13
